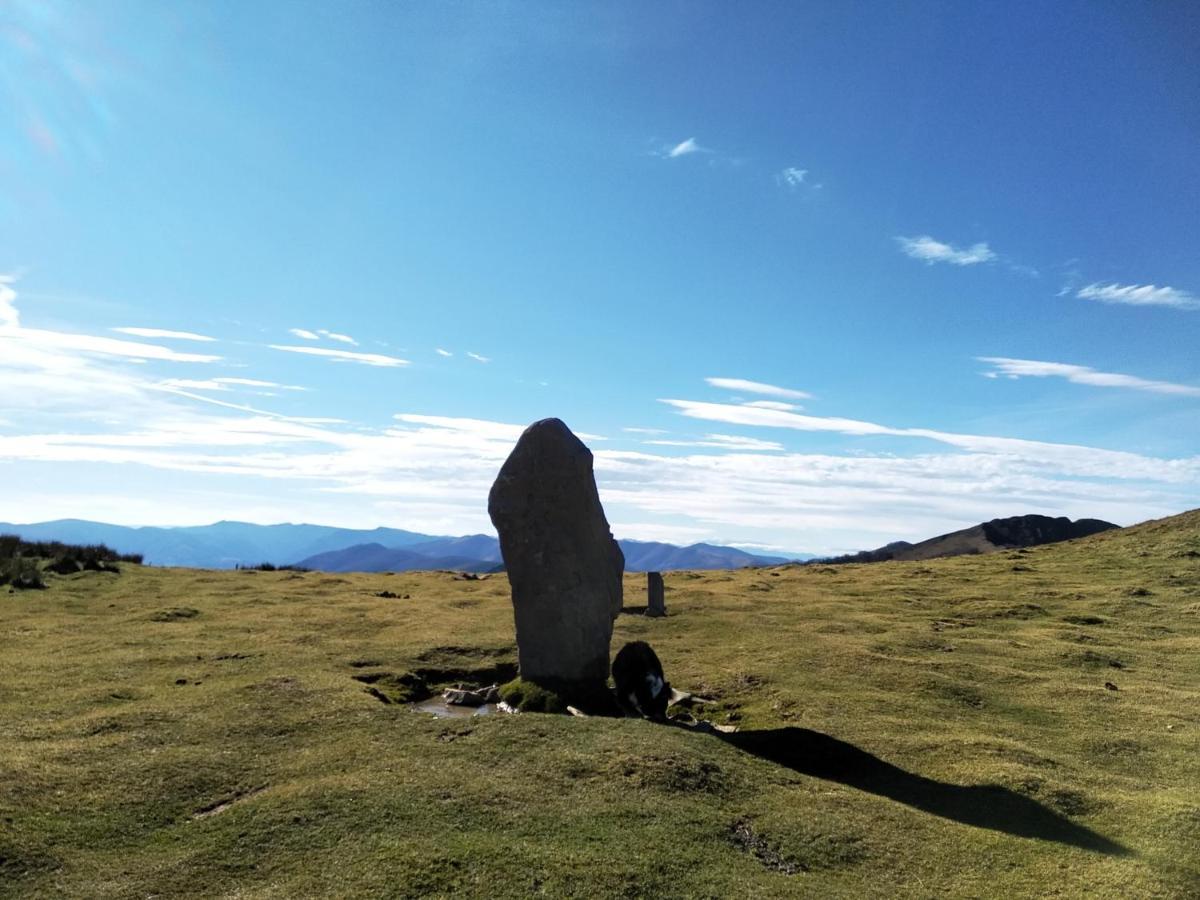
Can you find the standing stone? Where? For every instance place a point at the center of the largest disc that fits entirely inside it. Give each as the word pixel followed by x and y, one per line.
pixel 656 603
pixel 563 564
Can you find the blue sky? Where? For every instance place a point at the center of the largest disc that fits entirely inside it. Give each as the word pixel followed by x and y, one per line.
pixel 808 277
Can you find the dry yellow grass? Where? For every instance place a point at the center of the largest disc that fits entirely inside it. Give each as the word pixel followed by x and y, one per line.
pixel 907 729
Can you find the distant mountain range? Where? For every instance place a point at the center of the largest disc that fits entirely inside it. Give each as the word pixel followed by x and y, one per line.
pixel 224 545
pixel 481 553
pixel 987 537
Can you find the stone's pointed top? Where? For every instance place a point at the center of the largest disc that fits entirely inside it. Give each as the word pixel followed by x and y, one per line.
pixel 551 432
pixel 562 562
pixel 550 423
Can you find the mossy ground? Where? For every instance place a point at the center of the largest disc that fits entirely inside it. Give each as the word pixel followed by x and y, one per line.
pixel 907 729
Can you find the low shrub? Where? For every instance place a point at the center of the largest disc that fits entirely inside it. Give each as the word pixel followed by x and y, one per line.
pixel 21 574
pixel 271 567
pixel 90 556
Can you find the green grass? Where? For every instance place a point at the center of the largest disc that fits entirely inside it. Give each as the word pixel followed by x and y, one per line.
pixel 906 729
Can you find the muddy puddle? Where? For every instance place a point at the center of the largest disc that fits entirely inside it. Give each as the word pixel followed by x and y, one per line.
pixel 440 709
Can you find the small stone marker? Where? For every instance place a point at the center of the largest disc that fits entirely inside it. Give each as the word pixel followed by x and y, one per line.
pixel 656 603
pixel 563 564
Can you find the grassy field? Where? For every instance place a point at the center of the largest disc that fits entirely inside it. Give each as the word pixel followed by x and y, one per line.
pixel 1015 725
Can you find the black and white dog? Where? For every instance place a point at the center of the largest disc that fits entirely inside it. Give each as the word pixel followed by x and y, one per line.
pixel 642 690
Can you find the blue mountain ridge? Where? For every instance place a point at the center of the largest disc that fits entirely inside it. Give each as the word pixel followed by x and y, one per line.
pixel 224 545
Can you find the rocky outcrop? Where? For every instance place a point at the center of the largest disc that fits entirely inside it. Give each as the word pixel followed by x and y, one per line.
pixel 998 534
pixel 1030 531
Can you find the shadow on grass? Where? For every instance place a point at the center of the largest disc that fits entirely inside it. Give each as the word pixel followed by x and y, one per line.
pixel 984 806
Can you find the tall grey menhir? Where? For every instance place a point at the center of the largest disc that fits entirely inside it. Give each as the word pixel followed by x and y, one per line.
pixel 563 565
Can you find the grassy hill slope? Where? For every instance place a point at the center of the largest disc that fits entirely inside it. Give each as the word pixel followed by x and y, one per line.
pixel 907 729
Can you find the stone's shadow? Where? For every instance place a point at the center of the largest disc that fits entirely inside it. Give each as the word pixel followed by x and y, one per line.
pixel 634 610
pixel 984 806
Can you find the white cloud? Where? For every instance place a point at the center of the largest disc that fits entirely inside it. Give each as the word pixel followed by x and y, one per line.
pixel 1070 459
pixel 634 430
pixel 793 177
pixel 440 352
pixel 367 359
pixel 304 334
pixel 482 428
pixel 334 336
pixel 478 358
pixel 58 347
pixel 756 387
pixel 829 503
pixel 86 343
pixel 193 384
pixel 930 251
pixel 772 404
pixel 722 441
pixel 164 333
pixel 254 382
pixel 1020 368
pixel 683 535
pixel 8 301
pixel 1139 295
pixel 224 384
pixel 683 148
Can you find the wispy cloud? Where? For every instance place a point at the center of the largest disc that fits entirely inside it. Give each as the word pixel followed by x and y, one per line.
pixel 683 148
pixel 193 384
pixel 366 359
pixel 478 358
pixel 772 404
pixel 164 333
pixel 304 334
pixel 87 343
pixel 440 352
pixel 756 387
pixel 722 441
pixel 793 177
pixel 254 382
pixel 341 338
pixel 1070 459
pixel 225 384
pixel 1139 295
pixel 635 430
pixel 1029 368
pixel 56 349
pixel 932 251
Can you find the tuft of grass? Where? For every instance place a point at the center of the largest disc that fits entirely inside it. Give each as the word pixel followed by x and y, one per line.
pixel 388 687
pixel 528 696
pixel 174 614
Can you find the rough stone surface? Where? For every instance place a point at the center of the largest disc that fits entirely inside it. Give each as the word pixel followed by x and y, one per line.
pixel 656 603
pixel 563 564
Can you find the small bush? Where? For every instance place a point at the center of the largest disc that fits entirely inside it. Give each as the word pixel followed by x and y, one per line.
pixel 21 574
pixel 271 567
pixel 93 557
